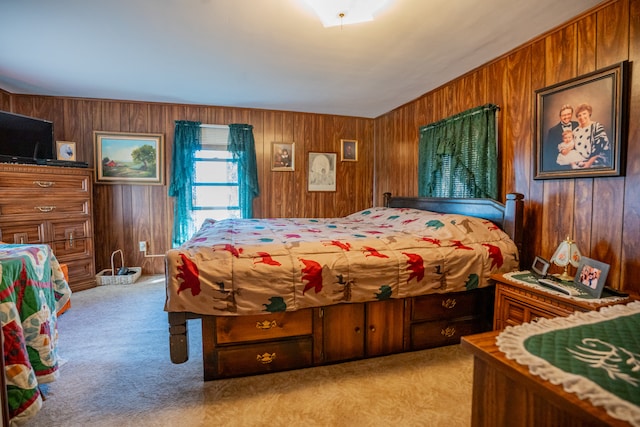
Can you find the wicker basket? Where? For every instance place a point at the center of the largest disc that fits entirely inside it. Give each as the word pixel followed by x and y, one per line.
pixel 109 277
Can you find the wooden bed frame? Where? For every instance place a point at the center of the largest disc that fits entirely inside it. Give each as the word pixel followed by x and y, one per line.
pixel 247 345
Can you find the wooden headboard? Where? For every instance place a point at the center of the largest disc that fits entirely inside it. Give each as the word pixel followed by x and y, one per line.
pixel 508 216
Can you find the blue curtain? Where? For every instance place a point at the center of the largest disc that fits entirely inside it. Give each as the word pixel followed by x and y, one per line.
pixel 458 156
pixel 187 140
pixel 242 145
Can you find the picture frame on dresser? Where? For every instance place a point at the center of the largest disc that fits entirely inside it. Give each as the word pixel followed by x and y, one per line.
pixel 581 125
pixel 129 158
pixel 592 275
pixel 66 150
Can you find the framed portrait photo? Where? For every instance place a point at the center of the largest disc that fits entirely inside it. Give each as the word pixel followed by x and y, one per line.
pixel 581 125
pixel 129 158
pixel 66 150
pixel 322 172
pixel 283 156
pixel 591 276
pixel 348 150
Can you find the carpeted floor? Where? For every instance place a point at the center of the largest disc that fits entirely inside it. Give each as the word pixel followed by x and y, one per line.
pixel 117 372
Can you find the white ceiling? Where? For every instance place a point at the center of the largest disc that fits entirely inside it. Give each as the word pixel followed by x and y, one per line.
pixel 268 54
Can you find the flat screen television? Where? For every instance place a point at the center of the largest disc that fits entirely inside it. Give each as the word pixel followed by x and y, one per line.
pixel 25 139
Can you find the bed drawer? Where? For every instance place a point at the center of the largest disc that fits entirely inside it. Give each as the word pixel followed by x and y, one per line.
pixel 263 327
pixel 443 332
pixel 263 358
pixel 446 306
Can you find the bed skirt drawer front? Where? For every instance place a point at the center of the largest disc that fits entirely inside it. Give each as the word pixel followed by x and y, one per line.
pixel 446 306
pixel 238 329
pixel 261 358
pixel 445 332
pixel 441 319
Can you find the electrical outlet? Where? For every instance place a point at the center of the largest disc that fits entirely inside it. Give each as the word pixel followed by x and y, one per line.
pixel 143 246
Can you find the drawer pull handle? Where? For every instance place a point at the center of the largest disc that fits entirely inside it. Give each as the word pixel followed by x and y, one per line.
pixel 448 332
pixel 449 303
pixel 45 208
pixel 265 325
pixel 44 184
pixel 71 239
pixel 266 358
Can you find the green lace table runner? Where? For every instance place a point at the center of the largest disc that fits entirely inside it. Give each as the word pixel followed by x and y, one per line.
pixel 595 355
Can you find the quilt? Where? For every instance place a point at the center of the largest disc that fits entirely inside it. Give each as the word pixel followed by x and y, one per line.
pixel 255 266
pixel 595 355
pixel 32 289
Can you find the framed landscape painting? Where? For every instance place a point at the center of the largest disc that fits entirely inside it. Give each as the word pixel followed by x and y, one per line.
pixel 129 158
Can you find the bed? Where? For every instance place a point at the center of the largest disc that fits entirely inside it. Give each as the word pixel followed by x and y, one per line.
pixel 32 291
pixel 285 293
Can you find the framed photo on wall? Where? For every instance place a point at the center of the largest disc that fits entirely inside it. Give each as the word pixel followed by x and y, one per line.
pixel 283 156
pixel 129 158
pixel 322 171
pixel 348 150
pixel 65 150
pixel 581 125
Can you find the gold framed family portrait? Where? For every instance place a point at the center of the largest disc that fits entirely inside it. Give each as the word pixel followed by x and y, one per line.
pixel 581 125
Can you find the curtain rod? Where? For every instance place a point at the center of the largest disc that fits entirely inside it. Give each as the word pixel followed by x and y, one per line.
pixel 215 126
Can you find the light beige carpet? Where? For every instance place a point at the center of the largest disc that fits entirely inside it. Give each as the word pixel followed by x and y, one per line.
pixel 117 372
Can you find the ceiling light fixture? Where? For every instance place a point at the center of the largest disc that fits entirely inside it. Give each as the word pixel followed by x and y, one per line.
pixel 344 12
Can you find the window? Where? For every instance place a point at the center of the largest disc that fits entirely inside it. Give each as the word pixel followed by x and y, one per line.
pixel 215 188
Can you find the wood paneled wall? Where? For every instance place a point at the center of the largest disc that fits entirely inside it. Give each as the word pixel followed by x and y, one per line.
pixel 601 214
pixel 127 214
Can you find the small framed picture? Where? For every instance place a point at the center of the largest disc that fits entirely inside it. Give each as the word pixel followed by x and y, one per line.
pixel 322 171
pixel 283 156
pixel 348 150
pixel 591 275
pixel 66 150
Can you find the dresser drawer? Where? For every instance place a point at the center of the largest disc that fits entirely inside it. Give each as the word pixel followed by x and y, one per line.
pixel 447 306
pixel 22 232
pixel 42 207
pixel 81 272
pixel 20 183
pixel 443 332
pixel 232 329
pixel 70 230
pixel 263 358
pixel 72 248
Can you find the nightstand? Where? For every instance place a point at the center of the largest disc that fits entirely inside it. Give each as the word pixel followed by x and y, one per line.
pixel 517 302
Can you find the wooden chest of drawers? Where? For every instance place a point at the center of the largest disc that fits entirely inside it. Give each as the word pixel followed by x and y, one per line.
pixel 51 205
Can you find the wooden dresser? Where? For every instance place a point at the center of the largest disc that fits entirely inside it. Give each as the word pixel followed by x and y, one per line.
pixel 506 394
pixel 51 205
pixel 516 303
